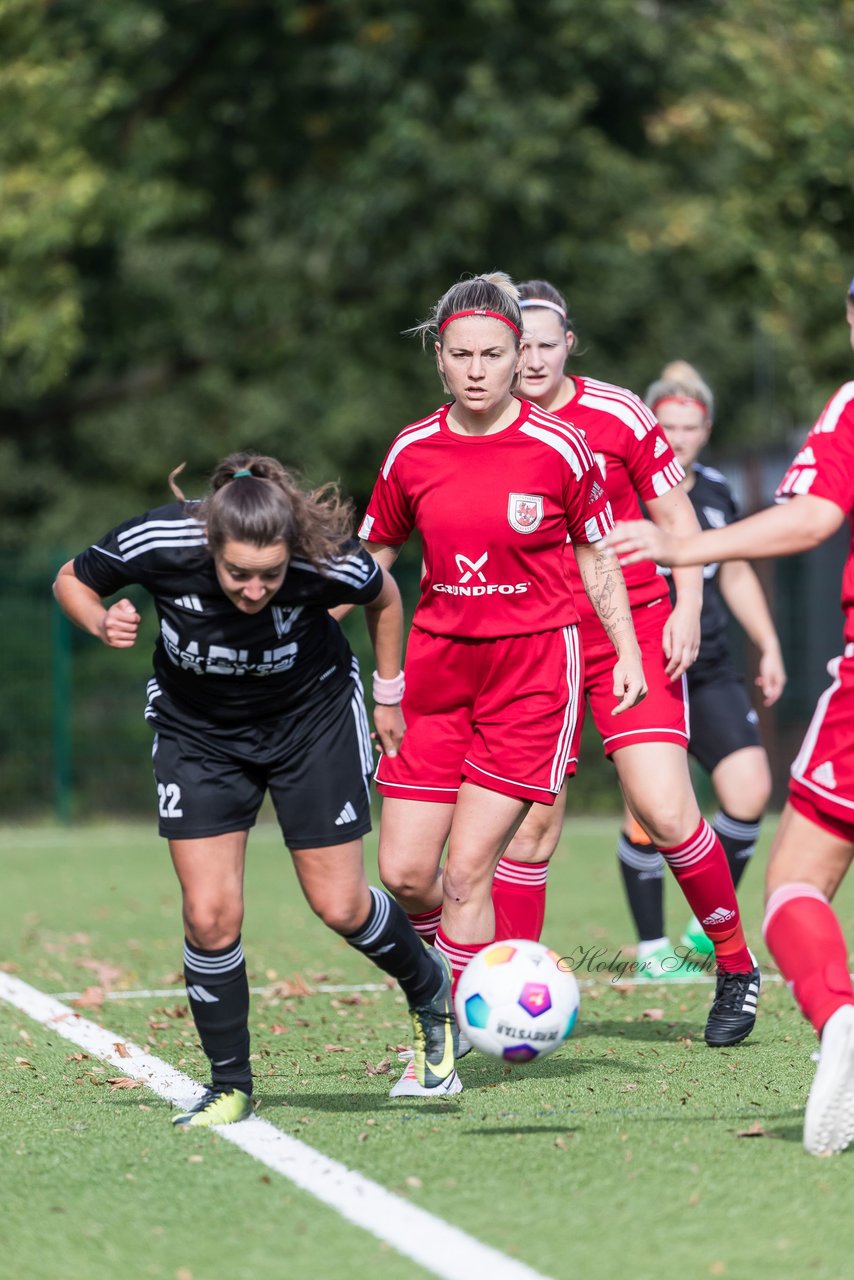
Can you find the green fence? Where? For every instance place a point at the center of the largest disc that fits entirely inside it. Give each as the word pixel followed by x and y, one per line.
pixel 74 742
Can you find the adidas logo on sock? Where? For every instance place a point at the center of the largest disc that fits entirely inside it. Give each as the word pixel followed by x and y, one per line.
pixel 719 916
pixel 347 814
pixel 202 995
pixel 824 776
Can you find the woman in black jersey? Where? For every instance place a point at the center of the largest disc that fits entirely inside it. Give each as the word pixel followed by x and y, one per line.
pixel 724 725
pixel 255 688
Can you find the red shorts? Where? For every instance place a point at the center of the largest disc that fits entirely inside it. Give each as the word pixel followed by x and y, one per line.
pixel 502 713
pixel 822 773
pixel 663 714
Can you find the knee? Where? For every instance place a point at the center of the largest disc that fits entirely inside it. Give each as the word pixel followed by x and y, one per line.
pixel 408 882
pixel 211 925
pixel 537 838
pixel 670 824
pixel 345 918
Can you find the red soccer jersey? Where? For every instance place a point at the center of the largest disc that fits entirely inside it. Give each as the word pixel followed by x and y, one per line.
pixel 494 513
pixel 825 468
pixel 637 463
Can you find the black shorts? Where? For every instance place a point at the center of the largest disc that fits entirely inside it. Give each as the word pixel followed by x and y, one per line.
pixel 723 719
pixel 316 764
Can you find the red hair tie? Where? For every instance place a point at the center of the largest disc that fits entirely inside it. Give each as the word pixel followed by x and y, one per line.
pixel 479 311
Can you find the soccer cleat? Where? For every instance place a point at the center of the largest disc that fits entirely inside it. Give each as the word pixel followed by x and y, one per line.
pixel 408 1087
pixel 829 1119
pixel 664 965
pixel 464 1046
pixel 216 1106
pixel 436 1039
pixel 733 1013
pixel 697 939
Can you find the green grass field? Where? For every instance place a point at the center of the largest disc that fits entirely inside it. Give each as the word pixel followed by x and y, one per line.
pixel 634 1152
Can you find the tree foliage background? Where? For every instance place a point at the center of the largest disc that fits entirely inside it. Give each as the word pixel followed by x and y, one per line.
pixel 218 216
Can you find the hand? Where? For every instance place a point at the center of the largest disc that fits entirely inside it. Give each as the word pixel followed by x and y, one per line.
pixel 390 726
pixel 635 540
pixel 629 682
pixel 681 639
pixel 772 675
pixel 119 625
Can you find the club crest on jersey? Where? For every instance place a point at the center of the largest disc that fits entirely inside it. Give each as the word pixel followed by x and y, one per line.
pixel 525 511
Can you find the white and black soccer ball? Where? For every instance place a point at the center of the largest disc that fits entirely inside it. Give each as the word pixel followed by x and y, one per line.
pixel 516 1000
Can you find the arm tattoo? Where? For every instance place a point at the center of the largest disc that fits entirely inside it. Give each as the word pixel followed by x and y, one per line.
pixel 602 578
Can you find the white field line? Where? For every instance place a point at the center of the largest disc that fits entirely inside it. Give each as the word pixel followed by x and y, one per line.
pixel 161 993
pixel 438 1247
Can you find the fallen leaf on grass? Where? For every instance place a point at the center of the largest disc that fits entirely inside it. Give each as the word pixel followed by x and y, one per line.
pixel 76 1057
pixel 121 1050
pixel 295 986
pixel 337 1048
pixel 123 1082
pixel 24 1062
pixel 627 1088
pixel 107 974
pixel 562 1144
pixel 412 1181
pixel 755 1131
pixel 654 1015
pixel 92 998
pixel 381 1068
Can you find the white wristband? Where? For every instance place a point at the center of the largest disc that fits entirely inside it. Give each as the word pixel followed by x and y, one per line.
pixel 388 693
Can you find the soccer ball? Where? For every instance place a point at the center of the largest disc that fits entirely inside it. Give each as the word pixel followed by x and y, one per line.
pixel 516 1001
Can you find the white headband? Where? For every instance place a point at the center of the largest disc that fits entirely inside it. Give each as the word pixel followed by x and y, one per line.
pixel 542 302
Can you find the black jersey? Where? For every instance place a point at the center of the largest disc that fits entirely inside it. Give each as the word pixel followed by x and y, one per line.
pixel 714 506
pixel 229 666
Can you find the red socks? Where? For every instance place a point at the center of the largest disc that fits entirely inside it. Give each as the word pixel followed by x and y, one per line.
pixel 702 872
pixel 804 937
pixel 458 954
pixel 519 899
pixel 426 924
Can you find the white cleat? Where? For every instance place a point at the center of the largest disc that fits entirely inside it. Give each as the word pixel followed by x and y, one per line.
pixel 408 1087
pixel 829 1119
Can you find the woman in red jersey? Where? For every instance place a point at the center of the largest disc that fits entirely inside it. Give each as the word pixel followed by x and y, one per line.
pixel 648 745
pixel 497 489
pixel 814 842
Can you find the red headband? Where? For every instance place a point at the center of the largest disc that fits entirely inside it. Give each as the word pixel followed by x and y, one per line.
pixel 479 311
pixel 680 400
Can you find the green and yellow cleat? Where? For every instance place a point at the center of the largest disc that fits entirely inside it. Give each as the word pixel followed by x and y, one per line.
pixel 216 1106
pixel 436 1039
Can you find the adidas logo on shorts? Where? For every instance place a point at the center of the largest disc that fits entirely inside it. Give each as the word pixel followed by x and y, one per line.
pixel 347 814
pixel 824 776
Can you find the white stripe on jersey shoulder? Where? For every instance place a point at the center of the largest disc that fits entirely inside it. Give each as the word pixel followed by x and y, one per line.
pixel 568 442
pixel 620 403
pixel 416 431
pixel 350 569
pixel 711 473
pixel 154 534
pixel 835 407
pixel 152 528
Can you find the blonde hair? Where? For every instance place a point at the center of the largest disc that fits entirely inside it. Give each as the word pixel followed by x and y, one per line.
pixel 494 291
pixel 256 499
pixel 682 381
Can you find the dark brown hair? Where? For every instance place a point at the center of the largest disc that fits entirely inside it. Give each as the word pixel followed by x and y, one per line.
pixel 256 499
